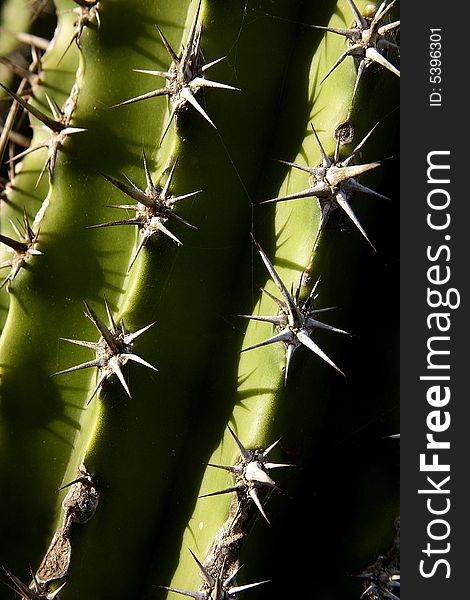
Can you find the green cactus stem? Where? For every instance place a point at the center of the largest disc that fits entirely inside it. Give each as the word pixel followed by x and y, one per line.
pixel 248 381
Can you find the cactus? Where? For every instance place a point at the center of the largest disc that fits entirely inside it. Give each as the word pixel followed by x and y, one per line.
pixel 138 481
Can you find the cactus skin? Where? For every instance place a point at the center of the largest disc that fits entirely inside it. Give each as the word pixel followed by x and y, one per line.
pixel 148 453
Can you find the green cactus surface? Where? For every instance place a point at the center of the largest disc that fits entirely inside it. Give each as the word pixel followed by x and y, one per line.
pixel 198 311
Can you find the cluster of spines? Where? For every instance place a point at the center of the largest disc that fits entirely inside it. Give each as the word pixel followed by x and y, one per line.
pixel 154 207
pixel 184 77
pixel 78 507
pixel 381 580
pixel 368 40
pixel 221 566
pixel 29 79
